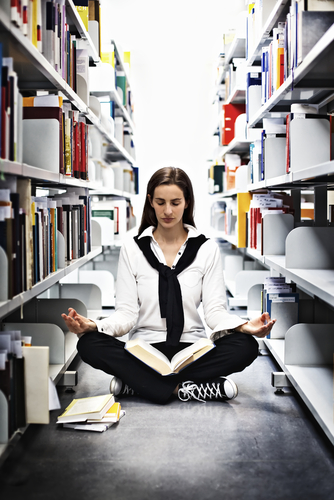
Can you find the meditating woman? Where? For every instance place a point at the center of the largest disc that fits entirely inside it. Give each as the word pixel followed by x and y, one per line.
pixel 164 274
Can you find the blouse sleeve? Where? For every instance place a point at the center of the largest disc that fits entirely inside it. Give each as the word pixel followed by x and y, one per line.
pixel 127 308
pixel 214 298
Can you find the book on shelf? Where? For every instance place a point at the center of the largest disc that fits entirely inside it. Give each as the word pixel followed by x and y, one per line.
pixel 281 301
pixel 152 357
pixel 262 204
pixel 10 111
pixel 82 409
pixel 228 116
pixel 82 7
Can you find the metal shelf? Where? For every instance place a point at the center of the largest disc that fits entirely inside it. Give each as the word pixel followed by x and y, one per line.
pixel 311 82
pixel 17 301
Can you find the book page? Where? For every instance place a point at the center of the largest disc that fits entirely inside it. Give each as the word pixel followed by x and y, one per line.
pixel 149 355
pixel 189 352
pixel 88 405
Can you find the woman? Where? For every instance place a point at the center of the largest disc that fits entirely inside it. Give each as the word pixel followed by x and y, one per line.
pixel 164 274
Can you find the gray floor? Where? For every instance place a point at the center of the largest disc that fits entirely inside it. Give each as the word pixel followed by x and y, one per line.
pixel 260 446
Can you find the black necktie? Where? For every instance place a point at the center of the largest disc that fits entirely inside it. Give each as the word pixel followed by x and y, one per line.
pixel 170 297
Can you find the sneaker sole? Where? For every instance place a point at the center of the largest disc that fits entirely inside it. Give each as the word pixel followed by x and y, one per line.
pixel 233 392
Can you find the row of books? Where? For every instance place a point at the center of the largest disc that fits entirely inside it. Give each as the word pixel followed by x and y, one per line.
pixel 45 131
pixel 292 39
pixel 48 27
pixel 117 209
pixel 30 228
pixel 42 131
pixel 281 301
pixel 283 145
pixel 262 204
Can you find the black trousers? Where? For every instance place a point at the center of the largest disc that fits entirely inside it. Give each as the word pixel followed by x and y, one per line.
pixel 232 354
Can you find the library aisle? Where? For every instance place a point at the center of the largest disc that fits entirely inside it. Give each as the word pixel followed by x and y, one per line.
pixel 260 446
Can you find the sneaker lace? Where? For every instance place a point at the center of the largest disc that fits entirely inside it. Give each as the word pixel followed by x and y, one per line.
pixel 127 391
pixel 201 392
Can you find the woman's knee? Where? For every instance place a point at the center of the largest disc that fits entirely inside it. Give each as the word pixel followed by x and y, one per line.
pixel 251 349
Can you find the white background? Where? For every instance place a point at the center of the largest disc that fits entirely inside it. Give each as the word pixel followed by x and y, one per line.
pixel 174 49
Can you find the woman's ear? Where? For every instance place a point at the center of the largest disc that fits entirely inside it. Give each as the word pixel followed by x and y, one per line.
pixel 149 199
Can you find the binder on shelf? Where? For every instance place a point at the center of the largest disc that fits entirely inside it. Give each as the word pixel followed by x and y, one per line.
pixel 311 26
pixel 284 307
pixel 43 137
pixel 274 231
pixel 253 93
pixel 244 200
pixel 274 155
pixel 230 112
pixel 304 127
pixel 36 378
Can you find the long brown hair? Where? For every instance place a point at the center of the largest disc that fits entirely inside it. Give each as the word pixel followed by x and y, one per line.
pixel 168 176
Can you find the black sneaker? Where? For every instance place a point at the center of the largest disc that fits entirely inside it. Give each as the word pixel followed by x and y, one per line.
pixel 117 388
pixel 220 389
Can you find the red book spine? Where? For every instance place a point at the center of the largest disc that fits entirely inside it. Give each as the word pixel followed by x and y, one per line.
pixel 83 150
pixel 287 143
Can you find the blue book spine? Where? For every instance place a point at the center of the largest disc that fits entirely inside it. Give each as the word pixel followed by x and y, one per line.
pixel 262 155
pixel 251 164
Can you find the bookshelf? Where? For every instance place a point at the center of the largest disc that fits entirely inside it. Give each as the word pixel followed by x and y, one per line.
pixel 36 76
pixel 311 82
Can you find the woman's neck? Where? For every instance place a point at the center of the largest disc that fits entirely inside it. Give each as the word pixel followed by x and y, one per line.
pixel 177 234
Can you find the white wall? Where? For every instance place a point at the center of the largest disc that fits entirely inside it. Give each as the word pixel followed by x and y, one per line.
pixel 174 47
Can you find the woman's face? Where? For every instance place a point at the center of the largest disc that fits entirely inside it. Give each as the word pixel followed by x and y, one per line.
pixel 169 204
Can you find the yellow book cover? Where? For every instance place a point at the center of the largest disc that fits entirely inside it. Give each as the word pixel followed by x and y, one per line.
pixel 83 13
pixel 108 57
pixel 243 201
pixel 48 101
pixel 112 415
pixel 68 149
pixel 94 407
pixel 34 6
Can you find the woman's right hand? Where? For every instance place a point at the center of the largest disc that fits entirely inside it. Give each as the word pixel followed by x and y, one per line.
pixel 78 324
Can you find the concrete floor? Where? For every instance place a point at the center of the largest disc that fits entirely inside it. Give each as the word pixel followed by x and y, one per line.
pixel 259 446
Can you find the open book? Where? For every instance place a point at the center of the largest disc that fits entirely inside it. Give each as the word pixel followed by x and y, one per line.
pixel 160 363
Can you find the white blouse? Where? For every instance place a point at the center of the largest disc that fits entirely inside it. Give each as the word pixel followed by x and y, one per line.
pixel 137 309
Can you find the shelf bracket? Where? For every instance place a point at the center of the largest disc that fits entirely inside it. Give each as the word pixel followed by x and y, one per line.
pixel 279 380
pixel 69 379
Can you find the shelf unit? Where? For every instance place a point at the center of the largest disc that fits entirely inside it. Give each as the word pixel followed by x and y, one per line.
pixel 312 83
pixel 35 73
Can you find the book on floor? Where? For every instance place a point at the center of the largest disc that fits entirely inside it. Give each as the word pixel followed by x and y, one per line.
pixel 111 416
pixel 152 357
pixel 80 410
pixel 94 426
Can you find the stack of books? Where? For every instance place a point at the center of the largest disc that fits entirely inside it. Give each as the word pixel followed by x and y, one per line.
pixel 96 413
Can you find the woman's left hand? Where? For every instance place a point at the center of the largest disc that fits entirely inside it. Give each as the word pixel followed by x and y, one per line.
pixel 259 327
